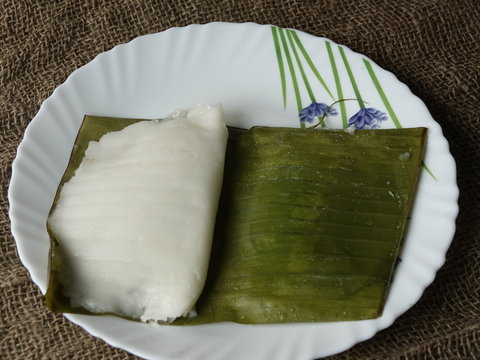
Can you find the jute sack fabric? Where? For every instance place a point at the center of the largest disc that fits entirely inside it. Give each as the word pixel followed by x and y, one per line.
pixel 432 46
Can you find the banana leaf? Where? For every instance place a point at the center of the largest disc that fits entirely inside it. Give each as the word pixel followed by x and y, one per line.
pixel 309 225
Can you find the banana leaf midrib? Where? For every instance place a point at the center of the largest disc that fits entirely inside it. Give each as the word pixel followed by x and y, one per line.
pixel 334 152
pixel 389 140
pixel 338 296
pixel 384 199
pixel 265 218
pixel 318 207
pixel 325 184
pixel 359 235
pixel 338 238
pixel 344 173
pixel 324 283
pixel 275 146
pixel 285 298
pixel 334 160
pixel 374 262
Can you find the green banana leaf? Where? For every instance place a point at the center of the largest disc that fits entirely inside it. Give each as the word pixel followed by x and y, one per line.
pixel 309 225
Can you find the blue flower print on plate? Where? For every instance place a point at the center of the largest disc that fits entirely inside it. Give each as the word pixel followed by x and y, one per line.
pixel 367 118
pixel 315 109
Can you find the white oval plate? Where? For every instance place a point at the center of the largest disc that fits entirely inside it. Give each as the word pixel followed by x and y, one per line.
pixel 248 68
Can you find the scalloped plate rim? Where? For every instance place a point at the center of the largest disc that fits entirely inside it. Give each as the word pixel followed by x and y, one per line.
pixel 78 72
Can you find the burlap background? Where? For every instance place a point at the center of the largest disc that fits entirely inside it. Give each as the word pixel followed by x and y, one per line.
pixel 431 45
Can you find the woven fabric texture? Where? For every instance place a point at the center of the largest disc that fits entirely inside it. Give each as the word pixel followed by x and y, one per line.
pixel 431 45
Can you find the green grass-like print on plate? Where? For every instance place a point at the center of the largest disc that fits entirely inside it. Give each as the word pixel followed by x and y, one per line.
pixel 301 67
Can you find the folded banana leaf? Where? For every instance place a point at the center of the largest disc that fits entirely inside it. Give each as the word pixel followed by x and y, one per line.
pixel 309 225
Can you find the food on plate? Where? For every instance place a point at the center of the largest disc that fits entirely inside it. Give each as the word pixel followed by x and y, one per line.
pixel 309 224
pixel 133 220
